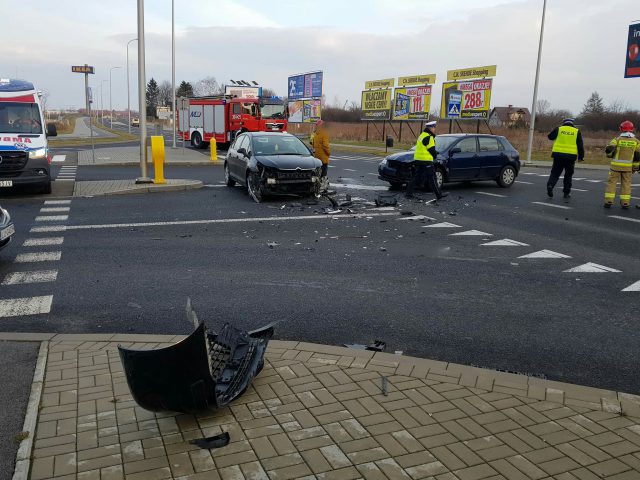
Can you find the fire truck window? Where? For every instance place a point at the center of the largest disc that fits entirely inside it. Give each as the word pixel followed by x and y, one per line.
pixel 249 108
pixel 237 108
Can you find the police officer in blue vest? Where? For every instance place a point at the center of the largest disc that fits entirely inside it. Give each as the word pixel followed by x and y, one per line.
pixel 423 158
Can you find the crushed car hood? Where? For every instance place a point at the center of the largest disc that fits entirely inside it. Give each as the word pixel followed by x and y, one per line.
pixel 289 162
pixel 401 156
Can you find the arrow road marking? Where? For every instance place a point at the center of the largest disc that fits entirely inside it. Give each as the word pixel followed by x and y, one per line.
pixel 633 288
pixel 592 268
pixel 471 233
pixel 442 225
pixel 545 254
pixel 505 242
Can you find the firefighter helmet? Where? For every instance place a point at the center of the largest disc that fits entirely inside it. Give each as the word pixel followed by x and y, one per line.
pixel 626 126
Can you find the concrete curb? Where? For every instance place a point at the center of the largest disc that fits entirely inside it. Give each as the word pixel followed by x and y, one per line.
pixel 23 457
pixel 567 394
pixel 169 164
pixel 141 189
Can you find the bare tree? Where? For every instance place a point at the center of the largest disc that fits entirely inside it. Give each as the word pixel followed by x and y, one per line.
pixel 207 87
pixel 543 107
pixel 164 95
pixel 619 105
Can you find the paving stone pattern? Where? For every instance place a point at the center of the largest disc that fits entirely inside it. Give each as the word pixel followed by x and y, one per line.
pixel 318 412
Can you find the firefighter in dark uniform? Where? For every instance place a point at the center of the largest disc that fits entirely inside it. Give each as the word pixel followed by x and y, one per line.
pixel 567 148
pixel 423 158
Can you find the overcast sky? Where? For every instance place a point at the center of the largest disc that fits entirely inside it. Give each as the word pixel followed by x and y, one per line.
pixel 351 41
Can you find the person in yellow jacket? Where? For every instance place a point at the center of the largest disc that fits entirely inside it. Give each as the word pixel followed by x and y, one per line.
pixel 423 157
pixel 567 148
pixel 624 152
pixel 322 151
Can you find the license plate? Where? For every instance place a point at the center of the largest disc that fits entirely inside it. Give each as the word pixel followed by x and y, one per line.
pixel 6 183
pixel 7 232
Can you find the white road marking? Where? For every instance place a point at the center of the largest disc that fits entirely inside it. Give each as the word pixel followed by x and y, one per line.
pixel 505 242
pixel 39 242
pixel 592 268
pixel 332 166
pixel 58 158
pixel 54 209
pixel 52 218
pixel 360 187
pixel 617 217
pixel 38 257
pixel 369 173
pixel 525 183
pixel 633 288
pixel 492 194
pixel 14 307
pixel 53 228
pixel 529 173
pixel 68 167
pixel 443 225
pixel 578 190
pixel 349 170
pixel 471 233
pixel 579 178
pixel 65 179
pixel 552 205
pixel 57 202
pixel 594 181
pixel 20 278
pixel 542 175
pixel 229 220
pixel 545 254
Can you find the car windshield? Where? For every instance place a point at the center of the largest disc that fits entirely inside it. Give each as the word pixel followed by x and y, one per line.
pixel 442 143
pixel 279 145
pixel 18 117
pixel 271 111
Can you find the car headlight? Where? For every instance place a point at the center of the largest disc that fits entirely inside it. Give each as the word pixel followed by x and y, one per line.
pixel 383 163
pixel 5 215
pixel 39 153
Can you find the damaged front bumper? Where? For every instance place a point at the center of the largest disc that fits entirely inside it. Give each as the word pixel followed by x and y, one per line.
pixel 204 371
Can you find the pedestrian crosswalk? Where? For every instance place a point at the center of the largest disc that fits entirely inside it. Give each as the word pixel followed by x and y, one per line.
pixel 67 173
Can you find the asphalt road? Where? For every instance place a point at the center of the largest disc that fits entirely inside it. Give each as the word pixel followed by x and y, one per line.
pixel 336 278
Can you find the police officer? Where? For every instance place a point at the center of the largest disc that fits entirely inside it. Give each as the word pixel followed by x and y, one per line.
pixel 423 158
pixel 567 147
pixel 624 152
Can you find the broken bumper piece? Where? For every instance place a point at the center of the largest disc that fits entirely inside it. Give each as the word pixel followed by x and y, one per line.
pixel 204 371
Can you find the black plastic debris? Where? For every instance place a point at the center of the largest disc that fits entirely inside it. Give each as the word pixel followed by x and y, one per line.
pixel 385 200
pixel 375 346
pixel 217 441
pixel 205 370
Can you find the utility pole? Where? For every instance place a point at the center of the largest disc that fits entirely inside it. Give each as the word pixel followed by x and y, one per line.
pixel 535 86
pixel 110 104
pixel 128 94
pixel 173 71
pixel 142 101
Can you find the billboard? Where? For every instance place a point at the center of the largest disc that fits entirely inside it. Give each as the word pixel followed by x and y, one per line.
pixel 82 69
pixel 305 111
pixel 474 72
pixel 386 83
pixel 632 66
pixel 243 92
pixel 466 100
pixel 376 104
pixel 416 80
pixel 412 103
pixel 307 85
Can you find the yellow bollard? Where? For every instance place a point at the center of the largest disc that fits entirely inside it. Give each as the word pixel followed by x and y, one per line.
pixel 213 145
pixel 157 153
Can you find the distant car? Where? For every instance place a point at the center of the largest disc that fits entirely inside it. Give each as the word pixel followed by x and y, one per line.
pixel 272 163
pixel 135 122
pixel 461 157
pixel 6 228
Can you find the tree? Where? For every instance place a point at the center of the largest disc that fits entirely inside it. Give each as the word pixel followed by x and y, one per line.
pixel 164 94
pixel 207 87
pixel 268 92
pixel 153 94
pixel 543 107
pixel 184 90
pixel 594 106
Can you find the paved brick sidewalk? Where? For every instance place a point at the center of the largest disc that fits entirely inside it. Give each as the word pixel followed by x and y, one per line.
pixel 319 412
pixel 122 187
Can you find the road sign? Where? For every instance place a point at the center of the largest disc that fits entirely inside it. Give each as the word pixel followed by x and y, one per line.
pixel 466 100
pixel 632 66
pixel 386 83
pixel 82 69
pixel 474 72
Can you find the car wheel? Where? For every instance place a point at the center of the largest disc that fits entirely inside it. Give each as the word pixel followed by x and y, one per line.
pixel 227 176
pixel 196 140
pixel 507 177
pixel 396 185
pixel 253 187
pixel 439 177
pixel 46 188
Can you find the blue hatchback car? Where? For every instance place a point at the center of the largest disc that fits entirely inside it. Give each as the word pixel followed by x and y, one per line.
pixel 461 158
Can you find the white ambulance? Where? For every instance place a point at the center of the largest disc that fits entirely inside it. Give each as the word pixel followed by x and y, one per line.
pixel 24 153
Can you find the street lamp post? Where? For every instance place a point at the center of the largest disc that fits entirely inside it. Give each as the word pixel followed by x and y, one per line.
pixel 535 87
pixel 110 104
pixel 102 103
pixel 142 97
pixel 128 95
pixel 173 71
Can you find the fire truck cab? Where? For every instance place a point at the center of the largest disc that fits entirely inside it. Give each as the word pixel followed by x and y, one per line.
pixel 224 117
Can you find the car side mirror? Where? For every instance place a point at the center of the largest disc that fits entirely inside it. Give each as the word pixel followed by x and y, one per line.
pixel 453 151
pixel 242 151
pixel 51 130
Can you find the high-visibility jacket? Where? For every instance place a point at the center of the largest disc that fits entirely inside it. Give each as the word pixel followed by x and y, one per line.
pixel 422 152
pixel 567 141
pixel 623 153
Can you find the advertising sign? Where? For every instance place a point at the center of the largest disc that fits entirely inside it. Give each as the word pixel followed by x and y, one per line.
pixel 386 83
pixel 82 69
pixel 305 111
pixel 632 67
pixel 243 92
pixel 376 104
pixel 412 103
pixel 308 85
pixel 163 113
pixel 466 100
pixel 417 80
pixel 474 72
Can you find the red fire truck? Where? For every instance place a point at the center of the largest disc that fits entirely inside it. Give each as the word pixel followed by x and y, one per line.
pixel 224 117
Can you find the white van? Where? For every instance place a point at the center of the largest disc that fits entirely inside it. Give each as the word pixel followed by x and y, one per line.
pixel 24 153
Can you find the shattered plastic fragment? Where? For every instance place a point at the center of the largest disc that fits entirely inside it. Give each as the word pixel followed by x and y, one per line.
pixel 217 441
